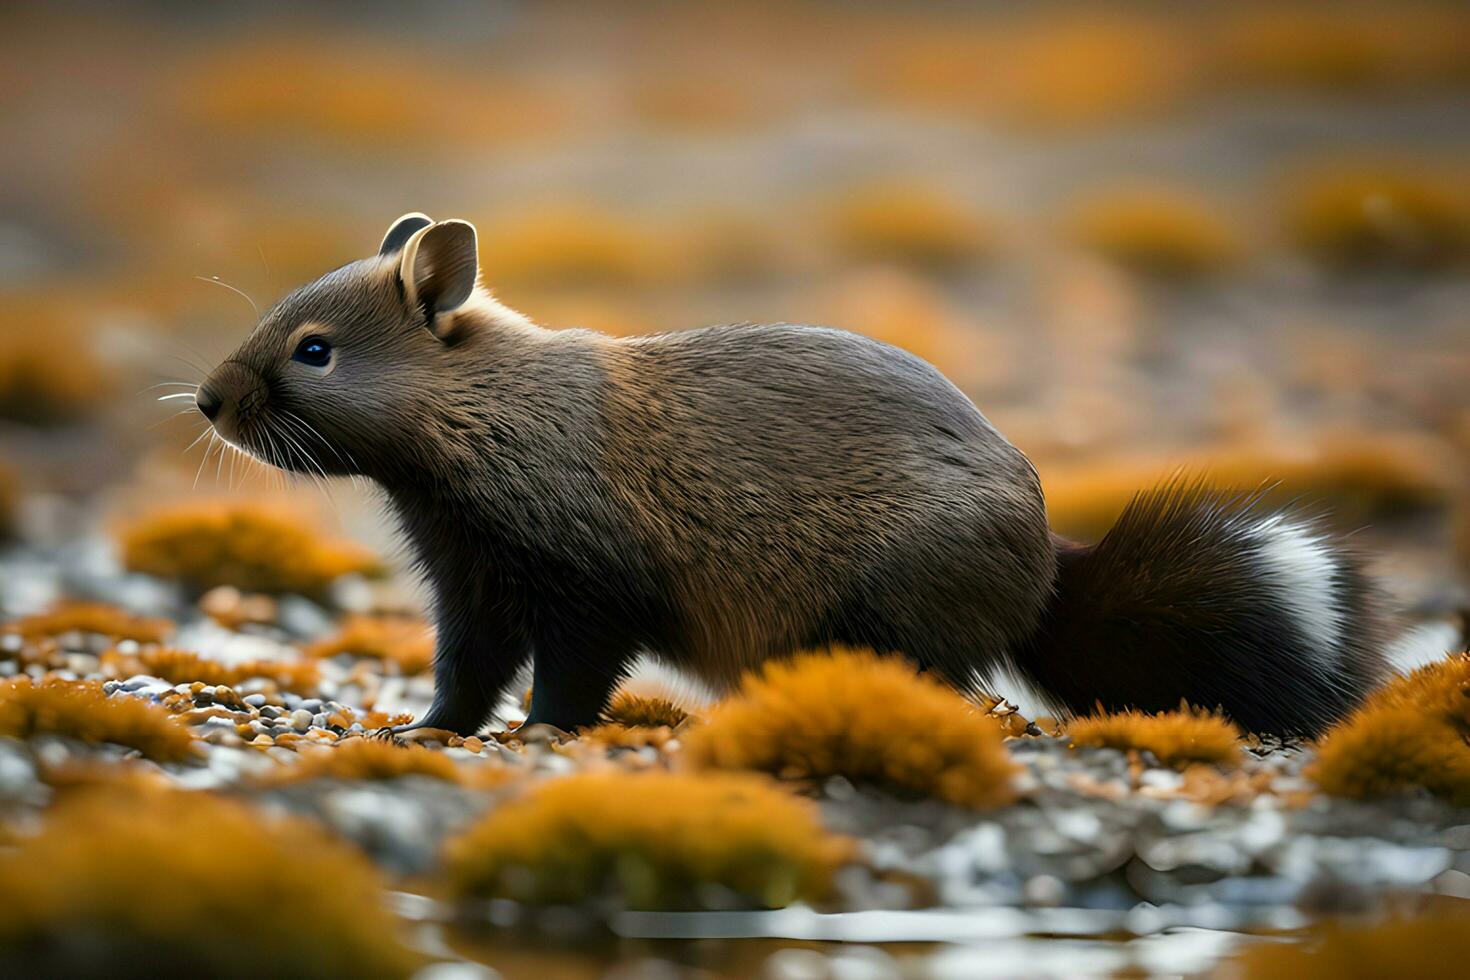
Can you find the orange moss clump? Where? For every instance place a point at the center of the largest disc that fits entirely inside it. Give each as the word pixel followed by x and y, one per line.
pixel 1396 216
pixel 1344 47
pixel 649 840
pixel 9 502
pixel 633 711
pixel 900 308
pixel 400 640
pixel 698 102
pixel 908 223
pixel 79 709
pixel 1413 733
pixel 1176 738
pixel 1358 473
pixel 359 90
pixel 868 718
pixel 1435 944
pixel 367 759
pixel 1156 232
pixel 90 617
pixel 1083 68
pixel 48 373
pixel 185 877
pixel 569 245
pixel 185 666
pixel 254 546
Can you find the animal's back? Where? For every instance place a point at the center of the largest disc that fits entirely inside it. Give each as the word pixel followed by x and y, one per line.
pixel 801 485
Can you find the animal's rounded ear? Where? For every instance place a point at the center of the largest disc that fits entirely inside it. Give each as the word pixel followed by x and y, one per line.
pixel 440 265
pixel 402 230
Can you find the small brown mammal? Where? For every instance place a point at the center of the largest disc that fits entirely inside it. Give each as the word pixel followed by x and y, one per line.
pixel 722 496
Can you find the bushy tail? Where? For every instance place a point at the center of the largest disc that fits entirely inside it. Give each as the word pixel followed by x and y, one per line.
pixel 1198 595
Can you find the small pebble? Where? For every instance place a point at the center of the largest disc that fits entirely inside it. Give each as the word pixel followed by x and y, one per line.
pixel 474 744
pixel 256 700
pixel 301 719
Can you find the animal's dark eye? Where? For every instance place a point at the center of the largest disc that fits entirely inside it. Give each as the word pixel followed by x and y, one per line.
pixel 313 351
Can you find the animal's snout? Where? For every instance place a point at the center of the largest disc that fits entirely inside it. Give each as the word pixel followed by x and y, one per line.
pixel 207 400
pixel 230 392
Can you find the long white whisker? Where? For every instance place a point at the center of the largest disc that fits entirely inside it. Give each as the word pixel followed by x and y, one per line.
pixel 304 451
pixel 207 449
pixel 202 433
pixel 320 481
pixel 169 418
pixel 280 472
pixel 177 394
pixel 239 292
pixel 307 456
pixel 220 465
pixel 311 431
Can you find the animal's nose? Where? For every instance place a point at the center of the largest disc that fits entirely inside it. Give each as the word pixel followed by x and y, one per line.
pixel 207 402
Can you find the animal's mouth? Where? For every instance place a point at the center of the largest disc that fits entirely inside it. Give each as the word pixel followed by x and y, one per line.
pixel 251 418
pixel 264 438
pixel 279 437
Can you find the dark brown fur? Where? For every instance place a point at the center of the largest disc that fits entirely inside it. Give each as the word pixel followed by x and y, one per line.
pixel 715 497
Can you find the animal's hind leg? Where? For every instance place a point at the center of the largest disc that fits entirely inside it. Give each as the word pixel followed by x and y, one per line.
pixel 934 647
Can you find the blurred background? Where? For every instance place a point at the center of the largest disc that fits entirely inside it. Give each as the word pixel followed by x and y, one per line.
pixel 1225 236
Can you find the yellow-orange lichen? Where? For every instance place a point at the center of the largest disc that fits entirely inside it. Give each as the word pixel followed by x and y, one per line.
pixel 9 501
pixel 908 222
pixel 1090 65
pixel 1343 47
pixel 1397 215
pixel 367 759
pixel 854 714
pixel 403 641
pixel 49 373
pixel 79 709
pixel 185 877
pixel 1176 738
pixel 1359 473
pixel 1432 944
pixel 635 711
pixel 649 840
pixel 570 244
pixel 90 617
pixel 256 546
pixel 1413 733
pixel 1155 231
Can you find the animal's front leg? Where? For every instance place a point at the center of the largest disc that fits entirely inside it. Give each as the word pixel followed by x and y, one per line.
pixel 574 679
pixel 475 660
